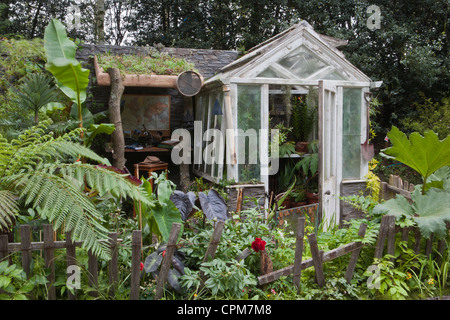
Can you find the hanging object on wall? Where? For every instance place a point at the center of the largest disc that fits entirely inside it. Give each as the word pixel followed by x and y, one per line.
pixel 189 83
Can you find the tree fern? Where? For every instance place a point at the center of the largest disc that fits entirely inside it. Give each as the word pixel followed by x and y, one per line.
pixel 8 208
pixel 42 171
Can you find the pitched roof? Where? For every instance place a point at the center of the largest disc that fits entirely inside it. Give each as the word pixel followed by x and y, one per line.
pixel 319 47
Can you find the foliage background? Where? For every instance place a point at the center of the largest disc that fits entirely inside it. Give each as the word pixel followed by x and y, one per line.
pixel 409 52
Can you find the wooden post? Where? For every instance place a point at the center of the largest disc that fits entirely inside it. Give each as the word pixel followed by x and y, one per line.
pixel 355 254
pixel 429 245
pixel 71 261
pixel 117 137
pixel 25 247
pixel 167 260
pixel 391 236
pixel 441 249
pixel 239 199
pixel 381 237
pixel 93 273
pixel 3 246
pixel 113 271
pixel 417 237
pixel 317 259
pixel 298 252
pixel 49 256
pixel 211 251
pixel 135 264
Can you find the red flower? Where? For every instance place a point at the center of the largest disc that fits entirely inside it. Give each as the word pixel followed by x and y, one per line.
pixel 258 245
pixel 141 266
pixel 164 253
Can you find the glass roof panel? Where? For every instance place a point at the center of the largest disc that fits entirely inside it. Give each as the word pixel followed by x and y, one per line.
pixel 334 76
pixel 268 73
pixel 302 62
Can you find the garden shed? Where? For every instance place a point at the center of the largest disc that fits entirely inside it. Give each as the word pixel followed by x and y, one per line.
pixel 240 101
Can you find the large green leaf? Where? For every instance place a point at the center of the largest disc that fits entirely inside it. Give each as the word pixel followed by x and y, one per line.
pixel 96 129
pixel 425 154
pixel 60 51
pixel 430 211
pixel 165 216
pixel 397 206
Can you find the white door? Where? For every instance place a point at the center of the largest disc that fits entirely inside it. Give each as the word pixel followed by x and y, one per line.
pixel 330 152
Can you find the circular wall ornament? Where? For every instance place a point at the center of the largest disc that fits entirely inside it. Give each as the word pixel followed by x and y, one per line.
pixel 189 83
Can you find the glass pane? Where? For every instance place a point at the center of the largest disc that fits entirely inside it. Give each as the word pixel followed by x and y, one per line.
pixel 218 125
pixel 334 76
pixel 268 73
pixel 351 134
pixel 302 62
pixel 249 123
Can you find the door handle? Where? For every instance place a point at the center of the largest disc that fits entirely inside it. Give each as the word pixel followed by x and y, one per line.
pixel 328 192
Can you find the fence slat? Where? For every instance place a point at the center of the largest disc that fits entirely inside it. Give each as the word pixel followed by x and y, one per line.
pixel 211 251
pixel 49 256
pixel 71 261
pixel 167 260
pixel 355 254
pixel 93 273
pixel 3 246
pixel 135 264
pixel 298 252
pixel 25 247
pixel 317 257
pixel 113 271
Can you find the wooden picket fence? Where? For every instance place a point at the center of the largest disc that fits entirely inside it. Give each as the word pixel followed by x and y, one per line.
pixel 48 247
pixel 396 185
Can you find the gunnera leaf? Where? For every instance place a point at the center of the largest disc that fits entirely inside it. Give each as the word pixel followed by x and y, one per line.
pixel 432 210
pixel 152 262
pixel 184 202
pixel 213 205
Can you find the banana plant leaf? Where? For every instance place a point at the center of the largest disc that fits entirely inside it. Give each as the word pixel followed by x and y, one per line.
pixel 96 129
pixel 60 52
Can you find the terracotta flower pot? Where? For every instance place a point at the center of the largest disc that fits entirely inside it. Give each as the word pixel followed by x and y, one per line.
pixel 301 147
pixel 312 197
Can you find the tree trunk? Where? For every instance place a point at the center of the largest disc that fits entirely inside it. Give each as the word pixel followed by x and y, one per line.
pixel 100 22
pixel 117 138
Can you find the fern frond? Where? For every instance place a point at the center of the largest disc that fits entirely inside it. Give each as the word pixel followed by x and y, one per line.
pixel 8 208
pixel 33 148
pixel 101 180
pixel 63 205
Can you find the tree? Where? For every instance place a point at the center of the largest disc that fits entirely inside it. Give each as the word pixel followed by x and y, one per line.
pixel 34 93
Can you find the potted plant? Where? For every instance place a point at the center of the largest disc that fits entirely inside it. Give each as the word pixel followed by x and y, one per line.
pixel 298 196
pixel 302 121
pixel 310 165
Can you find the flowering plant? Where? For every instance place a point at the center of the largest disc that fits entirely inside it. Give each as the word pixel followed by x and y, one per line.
pixel 258 245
